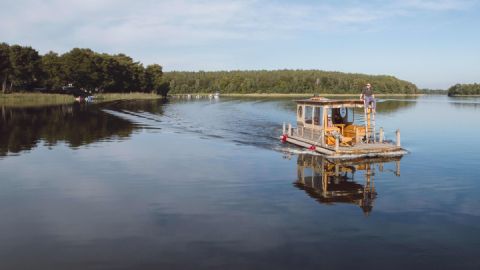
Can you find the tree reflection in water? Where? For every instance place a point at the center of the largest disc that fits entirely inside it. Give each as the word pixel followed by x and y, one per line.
pixel 76 124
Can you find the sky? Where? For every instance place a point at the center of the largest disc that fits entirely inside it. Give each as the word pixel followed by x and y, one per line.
pixel 432 43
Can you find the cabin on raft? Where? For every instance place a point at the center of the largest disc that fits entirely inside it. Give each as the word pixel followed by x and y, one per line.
pixel 333 128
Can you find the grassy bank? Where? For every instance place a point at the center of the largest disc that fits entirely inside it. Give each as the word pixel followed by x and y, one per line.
pixel 38 99
pixel 125 96
pixel 33 99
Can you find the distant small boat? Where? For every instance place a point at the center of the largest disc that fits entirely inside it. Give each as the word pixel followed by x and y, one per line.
pixel 84 99
pixel 216 95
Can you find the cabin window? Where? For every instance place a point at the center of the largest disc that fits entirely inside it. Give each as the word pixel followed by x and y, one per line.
pixel 343 112
pixel 299 111
pixel 336 117
pixel 342 115
pixel 350 115
pixel 317 116
pixel 308 114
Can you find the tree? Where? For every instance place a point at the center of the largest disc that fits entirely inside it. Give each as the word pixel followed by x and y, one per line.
pixel 25 66
pixel 81 69
pixel 464 89
pixel 54 76
pixel 283 81
pixel 133 72
pixel 5 66
pixel 154 81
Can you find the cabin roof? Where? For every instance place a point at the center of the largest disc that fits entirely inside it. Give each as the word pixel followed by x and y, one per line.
pixel 331 102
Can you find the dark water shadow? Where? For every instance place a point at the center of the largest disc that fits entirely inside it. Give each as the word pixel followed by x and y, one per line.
pixel 77 124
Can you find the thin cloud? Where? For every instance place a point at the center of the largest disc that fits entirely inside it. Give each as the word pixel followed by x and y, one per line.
pixel 438 5
pixel 184 22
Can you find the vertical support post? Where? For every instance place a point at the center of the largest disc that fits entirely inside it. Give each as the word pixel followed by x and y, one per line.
pixel 289 129
pixel 313 175
pixel 380 139
pixel 373 126
pixel 337 143
pixel 398 137
pixel 397 168
pixel 284 128
pixel 302 175
pixel 322 138
pixel 312 135
pixel 365 119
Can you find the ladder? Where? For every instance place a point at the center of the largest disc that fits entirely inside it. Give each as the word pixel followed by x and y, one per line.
pixel 369 119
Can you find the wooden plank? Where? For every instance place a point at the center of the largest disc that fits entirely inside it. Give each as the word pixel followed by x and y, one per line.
pixel 307 145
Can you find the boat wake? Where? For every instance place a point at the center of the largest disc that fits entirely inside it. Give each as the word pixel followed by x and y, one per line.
pixel 241 122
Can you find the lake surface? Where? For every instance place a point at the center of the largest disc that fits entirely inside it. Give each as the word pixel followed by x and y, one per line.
pixel 206 184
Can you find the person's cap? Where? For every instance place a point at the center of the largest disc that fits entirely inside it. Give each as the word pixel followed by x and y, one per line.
pixel 368 84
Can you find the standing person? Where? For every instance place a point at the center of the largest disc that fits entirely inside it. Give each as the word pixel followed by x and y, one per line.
pixel 368 97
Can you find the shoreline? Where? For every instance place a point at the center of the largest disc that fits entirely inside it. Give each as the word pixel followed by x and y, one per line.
pixel 25 99
pixel 41 99
pixel 290 95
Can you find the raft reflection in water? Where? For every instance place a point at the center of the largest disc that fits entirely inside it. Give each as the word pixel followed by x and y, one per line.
pixel 333 181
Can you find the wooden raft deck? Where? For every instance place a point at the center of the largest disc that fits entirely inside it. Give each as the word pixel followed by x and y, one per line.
pixel 346 152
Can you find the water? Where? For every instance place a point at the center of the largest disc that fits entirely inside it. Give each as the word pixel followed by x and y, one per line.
pixel 207 185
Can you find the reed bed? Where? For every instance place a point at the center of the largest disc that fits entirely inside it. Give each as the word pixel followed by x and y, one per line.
pixel 40 99
pixel 33 99
pixel 125 96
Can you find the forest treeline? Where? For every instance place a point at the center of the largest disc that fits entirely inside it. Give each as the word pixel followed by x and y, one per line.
pixel 464 89
pixel 23 68
pixel 283 81
pixel 426 91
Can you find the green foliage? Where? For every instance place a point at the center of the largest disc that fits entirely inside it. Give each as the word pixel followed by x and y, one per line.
pixel 154 80
pixel 283 81
pixel 81 68
pixel 23 68
pixel 25 65
pixel 54 74
pixel 5 67
pixel 464 90
pixel 426 91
